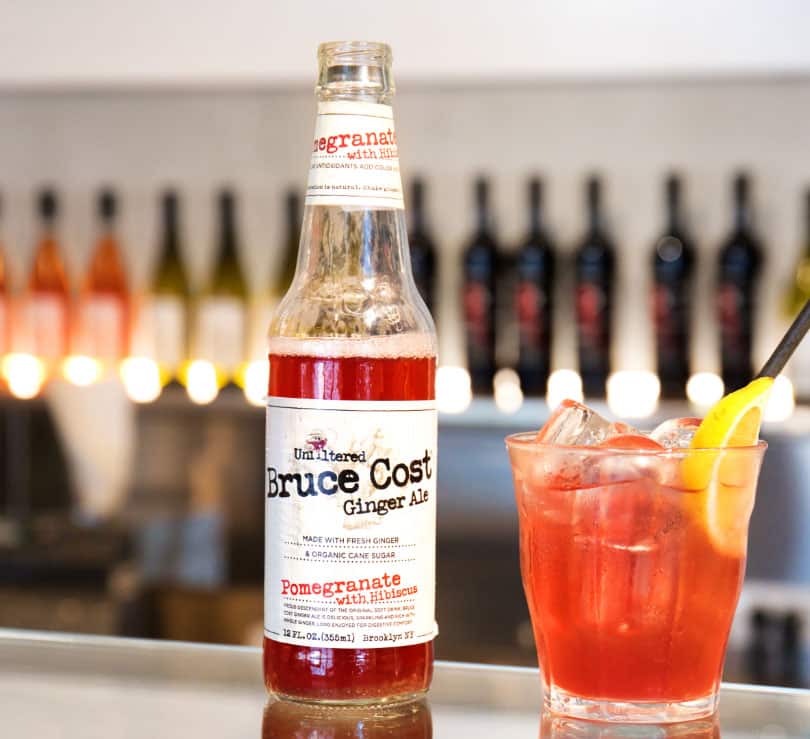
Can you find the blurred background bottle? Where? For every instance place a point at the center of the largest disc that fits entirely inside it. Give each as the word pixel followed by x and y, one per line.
pixel 167 304
pixel 798 293
pixel 480 265
pixel 44 311
pixel 102 320
pixel 533 301
pixel 289 261
pixel 422 247
pixel 220 330
pixel 673 264
pixel 595 268
pixel 739 267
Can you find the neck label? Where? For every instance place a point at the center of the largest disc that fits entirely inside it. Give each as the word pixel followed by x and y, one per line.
pixel 355 160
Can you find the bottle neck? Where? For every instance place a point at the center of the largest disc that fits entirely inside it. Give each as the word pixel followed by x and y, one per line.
pixel 171 237
pixel 807 225
pixel 227 235
pixel 535 210
pixel 417 209
pixel 742 216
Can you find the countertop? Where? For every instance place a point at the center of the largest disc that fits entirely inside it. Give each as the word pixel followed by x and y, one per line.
pixel 59 686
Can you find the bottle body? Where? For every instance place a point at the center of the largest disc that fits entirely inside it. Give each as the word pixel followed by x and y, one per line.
pixel 102 322
pixel 423 250
pixel 740 262
pixel 673 263
pixel 44 316
pixel 798 293
pixel 534 304
pixel 161 326
pixel 220 335
pixel 479 304
pixel 351 420
pixel 594 268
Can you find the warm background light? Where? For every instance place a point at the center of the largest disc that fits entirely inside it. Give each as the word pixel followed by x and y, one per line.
pixel 141 379
pixel 81 370
pixel 562 384
pixel 453 389
pixel 508 395
pixel 633 393
pixel 25 375
pixel 782 401
pixel 255 379
pixel 704 389
pixel 201 382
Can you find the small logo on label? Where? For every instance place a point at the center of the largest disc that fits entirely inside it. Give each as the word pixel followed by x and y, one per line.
pixel 316 440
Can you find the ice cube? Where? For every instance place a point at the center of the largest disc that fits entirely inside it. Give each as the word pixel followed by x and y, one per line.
pixel 574 424
pixel 676 433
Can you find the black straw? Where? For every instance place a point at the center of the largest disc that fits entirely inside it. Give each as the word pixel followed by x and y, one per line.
pixel 777 361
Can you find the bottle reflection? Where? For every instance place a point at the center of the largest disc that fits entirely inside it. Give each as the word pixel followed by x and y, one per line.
pixel 560 727
pixel 288 720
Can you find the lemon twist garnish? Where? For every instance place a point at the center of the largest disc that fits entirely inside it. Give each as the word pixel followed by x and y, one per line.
pixel 727 481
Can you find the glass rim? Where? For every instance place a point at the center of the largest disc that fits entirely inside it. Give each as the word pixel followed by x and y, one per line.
pixel 526 440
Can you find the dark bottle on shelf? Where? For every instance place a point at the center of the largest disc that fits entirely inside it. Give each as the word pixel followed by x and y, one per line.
pixel 673 262
pixel 595 268
pixel 479 307
pixel 534 299
pixel 422 248
pixel 289 261
pixel 740 263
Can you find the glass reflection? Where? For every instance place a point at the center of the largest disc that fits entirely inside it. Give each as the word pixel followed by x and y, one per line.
pixel 288 720
pixel 560 727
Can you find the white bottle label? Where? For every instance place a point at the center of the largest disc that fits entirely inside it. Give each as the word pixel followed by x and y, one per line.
pixel 168 327
pixel 221 332
pixel 101 328
pixel 350 504
pixel 355 161
pixel 44 326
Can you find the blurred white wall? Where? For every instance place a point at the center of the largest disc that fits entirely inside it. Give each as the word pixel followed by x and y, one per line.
pixel 90 42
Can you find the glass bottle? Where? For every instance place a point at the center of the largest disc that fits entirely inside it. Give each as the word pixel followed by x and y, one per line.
pixel 423 250
pixel 595 268
pixel 481 266
pixel 673 263
pixel 739 267
pixel 167 304
pixel 351 418
pixel 102 322
pixel 534 299
pixel 222 308
pixel 797 294
pixel 45 305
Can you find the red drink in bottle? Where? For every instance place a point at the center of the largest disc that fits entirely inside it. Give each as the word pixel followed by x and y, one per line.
pixel 351 422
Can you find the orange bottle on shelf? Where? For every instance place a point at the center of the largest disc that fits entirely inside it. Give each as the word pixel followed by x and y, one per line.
pixel 43 320
pixel 102 320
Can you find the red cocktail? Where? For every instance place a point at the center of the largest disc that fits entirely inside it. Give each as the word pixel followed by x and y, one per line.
pixel 632 565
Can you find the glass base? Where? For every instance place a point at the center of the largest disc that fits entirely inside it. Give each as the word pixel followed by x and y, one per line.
pixel 357 701
pixel 628 712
